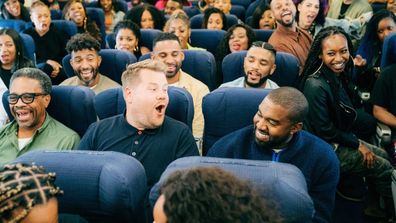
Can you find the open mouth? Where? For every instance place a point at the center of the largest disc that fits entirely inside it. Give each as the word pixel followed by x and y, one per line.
pixel 262 135
pixel 160 108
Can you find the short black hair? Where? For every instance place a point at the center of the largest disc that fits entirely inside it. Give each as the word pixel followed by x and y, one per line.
pixel 165 36
pixel 82 41
pixel 265 45
pixel 36 74
pixel 291 99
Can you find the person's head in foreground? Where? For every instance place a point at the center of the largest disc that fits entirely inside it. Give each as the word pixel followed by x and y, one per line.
pixel 28 194
pixel 209 194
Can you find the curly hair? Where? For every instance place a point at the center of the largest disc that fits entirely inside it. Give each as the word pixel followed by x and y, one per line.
pixel 135 15
pixel 258 13
pixel 22 187
pixel 208 12
pixel 209 194
pixel 224 49
pixel 82 41
pixel 313 63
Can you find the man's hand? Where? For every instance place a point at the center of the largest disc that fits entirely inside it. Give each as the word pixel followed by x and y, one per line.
pixel 368 156
pixel 55 68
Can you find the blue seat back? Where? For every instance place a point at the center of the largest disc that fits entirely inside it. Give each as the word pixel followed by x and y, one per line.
pixel 97 15
pixel 250 9
pixel 228 109
pixel 29 46
pixel 99 186
pixel 114 62
pixel 71 105
pixel 196 21
pixel 281 184
pixel 389 50
pixel 286 73
pixel 199 64
pixel 17 24
pixel 244 3
pixel 68 27
pixel 147 37
pixel 201 37
pixel 111 102
pixel 191 11
pixel 263 35
pixel 238 11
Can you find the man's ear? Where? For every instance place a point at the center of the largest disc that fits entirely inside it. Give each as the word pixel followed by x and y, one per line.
pixel 47 100
pixel 127 92
pixel 99 60
pixel 296 128
pixel 273 68
pixel 152 55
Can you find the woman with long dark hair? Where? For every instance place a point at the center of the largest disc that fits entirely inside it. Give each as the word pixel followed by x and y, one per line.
pixel 12 54
pixel 146 17
pixel 128 38
pixel 368 55
pixel 333 113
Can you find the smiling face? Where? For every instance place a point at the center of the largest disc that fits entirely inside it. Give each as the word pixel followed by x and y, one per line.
pixel 284 12
pixel 385 27
pixel 107 5
pixel 181 30
pixel 272 126
pixel 126 40
pixel 76 13
pixel 267 20
pixel 147 100
pixel 171 6
pixel 29 116
pixel 147 21
pixel 238 40
pixel 309 10
pixel 391 6
pixel 170 53
pixel 7 52
pixel 223 5
pixel 335 53
pixel 259 63
pixel 85 65
pixel 215 21
pixel 41 18
pixel 13 7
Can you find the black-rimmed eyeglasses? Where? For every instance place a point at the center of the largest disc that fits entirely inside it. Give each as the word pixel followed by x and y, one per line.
pixel 26 98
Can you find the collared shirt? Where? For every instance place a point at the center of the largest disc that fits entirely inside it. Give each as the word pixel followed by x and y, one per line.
pixel 52 135
pixel 198 90
pixel 240 82
pixel 154 148
pixel 103 84
pixel 297 43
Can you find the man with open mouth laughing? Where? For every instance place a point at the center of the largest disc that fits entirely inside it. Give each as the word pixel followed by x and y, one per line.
pixel 143 131
pixel 277 135
pixel 288 37
pixel 85 61
pixel 258 65
pixel 33 128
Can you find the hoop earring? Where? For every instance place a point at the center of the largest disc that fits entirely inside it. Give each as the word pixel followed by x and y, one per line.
pixel 320 67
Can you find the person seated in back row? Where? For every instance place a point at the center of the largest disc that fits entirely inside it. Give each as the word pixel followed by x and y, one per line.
pixel 85 61
pixel 258 65
pixel 277 135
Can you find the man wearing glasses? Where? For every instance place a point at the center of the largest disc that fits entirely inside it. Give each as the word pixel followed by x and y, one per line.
pixel 33 128
pixel 258 65
pixel 85 61
pixel 167 49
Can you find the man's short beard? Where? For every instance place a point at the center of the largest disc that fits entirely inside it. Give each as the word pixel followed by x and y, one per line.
pixel 89 82
pixel 287 25
pixel 171 75
pixel 256 85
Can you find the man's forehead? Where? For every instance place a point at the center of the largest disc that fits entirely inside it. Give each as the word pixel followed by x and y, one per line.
pixel 167 45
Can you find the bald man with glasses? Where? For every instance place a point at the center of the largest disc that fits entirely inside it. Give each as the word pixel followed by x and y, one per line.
pixel 32 128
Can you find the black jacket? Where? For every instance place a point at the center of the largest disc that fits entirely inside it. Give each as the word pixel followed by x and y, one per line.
pixel 324 116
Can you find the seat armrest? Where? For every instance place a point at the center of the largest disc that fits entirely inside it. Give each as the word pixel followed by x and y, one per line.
pixel 384 133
